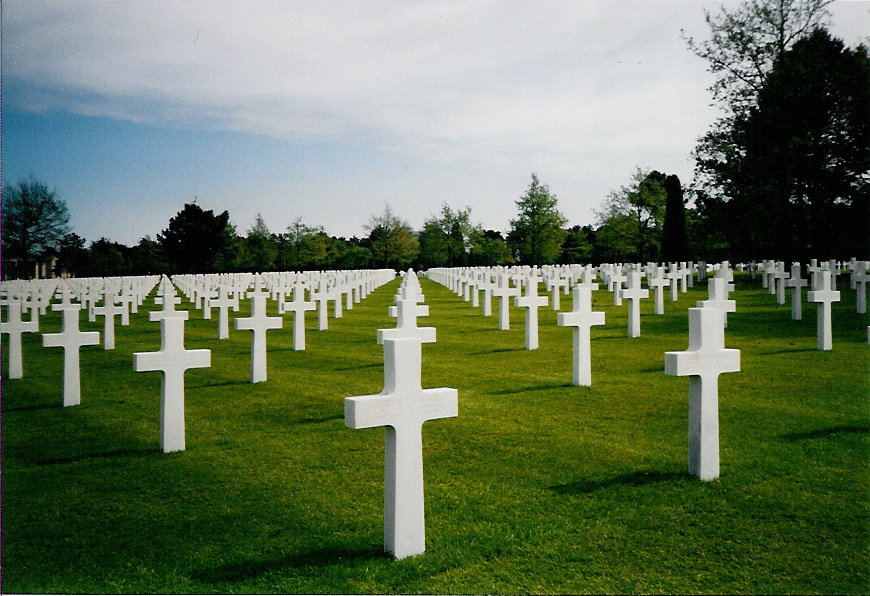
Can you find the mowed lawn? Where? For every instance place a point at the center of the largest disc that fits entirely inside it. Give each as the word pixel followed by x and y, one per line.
pixel 536 487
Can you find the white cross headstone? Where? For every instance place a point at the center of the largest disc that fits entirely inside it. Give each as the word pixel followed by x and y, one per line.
pixel 504 291
pixel 795 282
pixel 71 339
pixel 581 317
pixel 172 360
pixel 717 290
pixel 658 282
pixel 531 302
pixel 706 358
pixel 223 303
pixel 299 306
pixel 14 327
pixel 258 323
pixel 859 280
pixel 109 311
pixel 402 407
pixel 322 297
pixel 634 293
pixel 824 296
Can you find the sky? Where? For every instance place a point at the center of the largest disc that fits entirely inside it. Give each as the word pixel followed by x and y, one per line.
pixel 328 111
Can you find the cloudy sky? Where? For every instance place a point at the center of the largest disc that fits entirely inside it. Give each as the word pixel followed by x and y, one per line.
pixel 330 110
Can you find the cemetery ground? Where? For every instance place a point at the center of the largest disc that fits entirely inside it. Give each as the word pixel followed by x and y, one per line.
pixel 538 486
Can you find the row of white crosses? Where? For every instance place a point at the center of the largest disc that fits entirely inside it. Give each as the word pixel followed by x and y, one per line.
pixel 402 408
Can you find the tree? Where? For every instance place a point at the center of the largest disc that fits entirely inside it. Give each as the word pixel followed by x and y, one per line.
pixel 674 242
pixel 261 249
pixel 35 221
pixel 72 255
pixel 797 183
pixel 577 247
pixel 393 244
pixel 746 42
pixel 632 217
pixel 198 241
pixel 536 234
pixel 446 239
pixel 488 248
pixel 303 247
pixel 146 258
pixel 106 259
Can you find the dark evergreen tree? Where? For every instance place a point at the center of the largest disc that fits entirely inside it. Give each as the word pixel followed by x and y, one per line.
pixel 674 243
pixel 197 241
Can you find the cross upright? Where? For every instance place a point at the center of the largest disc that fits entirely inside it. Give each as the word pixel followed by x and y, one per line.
pixel 860 279
pixel 406 313
pixel 172 360
pixel 658 282
pixel 717 289
pixel 258 323
pixel 299 306
pixel 706 358
pixel 109 310
pixel 554 284
pixel 795 282
pixel 616 280
pixel 581 317
pixel 779 277
pixel 634 293
pixel 223 303
pixel 402 407
pixel 673 275
pixel 487 286
pixel 14 327
pixel 531 302
pixel 824 296
pixel 504 291
pixel 322 297
pixel 71 339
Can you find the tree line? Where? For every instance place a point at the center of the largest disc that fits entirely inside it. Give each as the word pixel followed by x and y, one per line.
pixel 783 174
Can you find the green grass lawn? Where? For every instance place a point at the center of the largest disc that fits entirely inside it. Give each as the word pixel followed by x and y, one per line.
pixel 537 487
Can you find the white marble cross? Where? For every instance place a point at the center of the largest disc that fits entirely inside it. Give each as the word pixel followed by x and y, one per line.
pixel 172 360
pixel 859 279
pixel 402 407
pixel 322 297
pixel 504 291
pixel 795 282
pixel 71 339
pixel 299 305
pixel 824 296
pixel 109 311
pixel 223 303
pixel 581 317
pixel 531 302
pixel 717 290
pixel 406 313
pixel 706 358
pixel 258 323
pixel 634 293
pixel 14 327
pixel 658 282
pixel 780 277
pixel 554 284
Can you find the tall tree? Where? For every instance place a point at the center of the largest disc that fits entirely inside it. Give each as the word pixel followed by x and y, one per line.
pixel 631 218
pixel 197 241
pixel 798 187
pixel 260 247
pixel 393 243
pixel 488 248
pixel 577 247
pixel 35 221
pixel 446 238
pixel 72 255
pixel 536 235
pixel 675 246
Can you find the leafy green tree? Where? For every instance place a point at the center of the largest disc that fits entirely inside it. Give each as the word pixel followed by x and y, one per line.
pixel 303 247
pixel 675 246
pixel 489 248
pixel 198 241
pixel 577 247
pixel 797 186
pixel 446 239
pixel 72 255
pixel 635 213
pixel 261 250
pixel 106 259
pixel 35 221
pixel 393 243
pixel 536 235
pixel 146 258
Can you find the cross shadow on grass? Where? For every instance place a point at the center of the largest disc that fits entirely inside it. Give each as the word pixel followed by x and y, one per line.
pixel 532 388
pixel 33 407
pixel 320 420
pixel 582 487
pixel 245 570
pixel 497 351
pixel 825 432
pixel 120 453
